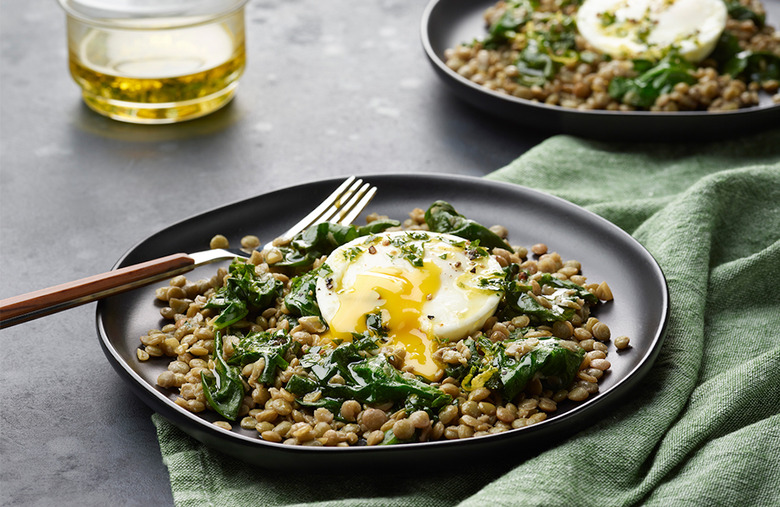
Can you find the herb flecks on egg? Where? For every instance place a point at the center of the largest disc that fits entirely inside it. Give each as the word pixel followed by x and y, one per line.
pixel 427 287
pixel 649 28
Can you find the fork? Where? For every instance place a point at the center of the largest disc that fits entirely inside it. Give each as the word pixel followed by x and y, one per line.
pixel 342 206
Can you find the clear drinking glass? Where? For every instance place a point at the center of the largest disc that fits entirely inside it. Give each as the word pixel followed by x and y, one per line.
pixel 156 61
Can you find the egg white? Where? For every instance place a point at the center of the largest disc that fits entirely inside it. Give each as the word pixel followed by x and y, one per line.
pixel 646 28
pixel 449 297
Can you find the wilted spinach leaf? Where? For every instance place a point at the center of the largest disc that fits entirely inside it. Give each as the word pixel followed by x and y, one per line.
pixel 270 346
pixel 442 217
pixel 743 13
pixel 518 300
pixel 244 290
pixel 321 239
pixel 546 51
pixel 552 362
pixel 302 298
pixel 579 291
pixel 391 439
pixel 535 65
pixel 374 324
pixel 756 66
pixel 510 23
pixel 747 65
pixel 726 49
pixel 222 386
pixel 653 80
pixel 376 227
pixel 492 367
pixel 526 304
pixel 368 379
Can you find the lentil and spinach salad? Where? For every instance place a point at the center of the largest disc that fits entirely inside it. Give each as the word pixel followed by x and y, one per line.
pixel 251 343
pixel 533 50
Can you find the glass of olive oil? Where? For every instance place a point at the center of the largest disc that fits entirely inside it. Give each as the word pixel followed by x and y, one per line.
pixel 156 61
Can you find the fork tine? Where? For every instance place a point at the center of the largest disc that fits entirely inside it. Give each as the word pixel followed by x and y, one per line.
pixel 342 206
pixel 353 193
pixel 348 216
pixel 316 213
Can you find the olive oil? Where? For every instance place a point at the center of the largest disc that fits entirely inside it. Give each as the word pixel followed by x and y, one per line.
pixel 160 75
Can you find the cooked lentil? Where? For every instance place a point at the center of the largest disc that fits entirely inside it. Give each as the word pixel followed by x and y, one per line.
pixel 250 242
pixel 583 77
pixel 621 342
pixel 219 241
pixel 276 415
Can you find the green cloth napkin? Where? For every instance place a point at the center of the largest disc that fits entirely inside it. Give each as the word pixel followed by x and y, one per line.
pixel 704 429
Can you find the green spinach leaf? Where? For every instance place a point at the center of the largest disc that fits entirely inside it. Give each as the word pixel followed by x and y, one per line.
pixel 391 439
pixel 526 304
pixel 743 13
pixel 367 379
pixel 519 300
pixel 579 291
pixel 510 22
pixel 270 346
pixel 222 386
pixel 748 65
pixel 321 239
pixel 653 80
pixel 756 66
pixel 556 364
pixel 546 51
pixel 534 65
pixel 490 366
pixel 442 217
pixel 302 298
pixel 726 49
pixel 244 290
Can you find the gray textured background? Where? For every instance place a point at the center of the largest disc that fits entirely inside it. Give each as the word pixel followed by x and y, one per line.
pixel 331 88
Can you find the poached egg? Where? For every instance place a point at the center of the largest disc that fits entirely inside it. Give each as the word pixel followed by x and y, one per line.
pixel 647 28
pixel 426 287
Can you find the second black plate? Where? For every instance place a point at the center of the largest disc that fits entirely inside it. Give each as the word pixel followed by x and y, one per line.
pixel 447 23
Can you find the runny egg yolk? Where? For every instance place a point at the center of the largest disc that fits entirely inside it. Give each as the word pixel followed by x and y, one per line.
pixel 424 288
pixel 399 294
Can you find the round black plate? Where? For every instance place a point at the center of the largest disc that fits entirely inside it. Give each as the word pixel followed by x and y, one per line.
pixel 606 252
pixel 447 23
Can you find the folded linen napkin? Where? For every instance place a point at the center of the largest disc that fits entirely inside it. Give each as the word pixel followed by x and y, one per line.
pixel 703 429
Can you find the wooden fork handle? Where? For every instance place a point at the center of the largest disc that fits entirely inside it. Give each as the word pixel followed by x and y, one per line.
pixel 32 305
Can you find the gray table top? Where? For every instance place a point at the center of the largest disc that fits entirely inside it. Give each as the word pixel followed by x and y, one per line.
pixel 330 89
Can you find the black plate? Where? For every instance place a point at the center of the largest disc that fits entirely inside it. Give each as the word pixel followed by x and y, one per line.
pixel 447 23
pixel 606 252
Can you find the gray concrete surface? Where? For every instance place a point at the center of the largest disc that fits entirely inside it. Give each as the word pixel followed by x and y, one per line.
pixel 331 88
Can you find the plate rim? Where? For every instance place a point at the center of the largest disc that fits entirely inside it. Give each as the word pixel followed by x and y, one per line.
pixel 195 425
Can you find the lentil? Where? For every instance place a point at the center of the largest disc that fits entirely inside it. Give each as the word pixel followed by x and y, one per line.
pixel 250 242
pixel 403 429
pixel 372 418
pixel 219 241
pixel 350 410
